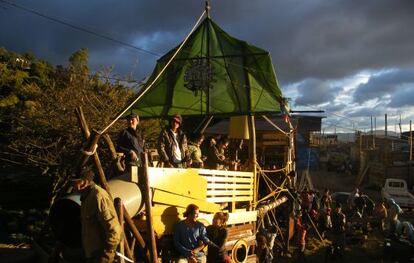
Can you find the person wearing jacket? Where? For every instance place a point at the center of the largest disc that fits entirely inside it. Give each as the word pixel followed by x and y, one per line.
pixel 101 230
pixel 131 142
pixel 216 158
pixel 217 233
pixel 190 237
pixel 172 145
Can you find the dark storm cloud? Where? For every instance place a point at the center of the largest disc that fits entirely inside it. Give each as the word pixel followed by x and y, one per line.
pixel 307 39
pixel 385 84
pixel 404 97
pixel 315 92
pixel 366 112
pixel 335 107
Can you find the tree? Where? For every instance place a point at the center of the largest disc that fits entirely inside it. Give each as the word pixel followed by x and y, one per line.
pixel 39 132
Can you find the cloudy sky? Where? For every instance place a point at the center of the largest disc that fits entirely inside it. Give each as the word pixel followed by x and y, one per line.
pixel 352 58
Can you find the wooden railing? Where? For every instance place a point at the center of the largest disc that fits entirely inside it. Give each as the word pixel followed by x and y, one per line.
pixel 228 187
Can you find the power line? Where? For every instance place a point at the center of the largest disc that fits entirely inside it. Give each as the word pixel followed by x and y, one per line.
pixel 32 11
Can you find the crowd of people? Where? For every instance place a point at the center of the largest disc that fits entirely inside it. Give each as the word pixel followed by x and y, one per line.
pixel 174 149
pixel 329 220
pixel 101 231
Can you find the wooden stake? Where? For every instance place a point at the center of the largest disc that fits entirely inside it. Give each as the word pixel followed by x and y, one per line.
pixel 136 233
pixel 111 146
pixel 120 212
pixel 253 156
pixel 82 122
pixel 148 210
pixel 85 131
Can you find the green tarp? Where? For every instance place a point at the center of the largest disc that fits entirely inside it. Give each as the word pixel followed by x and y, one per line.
pixel 240 78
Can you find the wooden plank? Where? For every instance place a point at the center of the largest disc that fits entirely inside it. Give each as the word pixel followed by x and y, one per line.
pixel 237 228
pixel 234 218
pixel 204 172
pixel 182 201
pixel 229 192
pixel 228 186
pixel 240 235
pixel 228 199
pixel 228 179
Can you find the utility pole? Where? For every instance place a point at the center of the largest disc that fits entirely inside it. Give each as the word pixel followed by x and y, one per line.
pixel 411 143
pixel 375 131
pixel 386 126
pixel 400 125
pixel 386 143
pixel 372 134
pixel 361 162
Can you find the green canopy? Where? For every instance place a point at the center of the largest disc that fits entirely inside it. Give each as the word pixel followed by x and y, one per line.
pixel 213 74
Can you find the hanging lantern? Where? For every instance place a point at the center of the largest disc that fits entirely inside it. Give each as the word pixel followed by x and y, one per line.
pixel 239 127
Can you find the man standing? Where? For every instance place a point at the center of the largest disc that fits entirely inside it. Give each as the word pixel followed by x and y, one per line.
pixel 101 231
pixel 338 227
pixel 131 142
pixel 172 144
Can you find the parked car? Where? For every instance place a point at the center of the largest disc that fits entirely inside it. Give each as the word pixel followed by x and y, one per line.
pixel 397 189
pixel 342 198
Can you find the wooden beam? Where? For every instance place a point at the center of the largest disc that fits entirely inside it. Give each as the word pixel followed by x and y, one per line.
pixel 135 232
pixel 120 212
pixel 85 131
pixel 148 213
pixel 253 157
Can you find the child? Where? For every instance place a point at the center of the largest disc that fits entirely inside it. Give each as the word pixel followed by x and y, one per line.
pixel 302 230
pixel 217 233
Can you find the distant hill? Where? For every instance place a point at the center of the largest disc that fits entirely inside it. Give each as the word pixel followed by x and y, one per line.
pixel 350 137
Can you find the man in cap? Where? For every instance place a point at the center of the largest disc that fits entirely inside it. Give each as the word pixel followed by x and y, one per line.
pixel 131 142
pixel 172 144
pixel 101 231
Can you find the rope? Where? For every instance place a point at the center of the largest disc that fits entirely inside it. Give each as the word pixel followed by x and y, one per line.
pixel 275 171
pixel 90 153
pixel 310 219
pixel 276 191
pixel 158 76
pixel 275 126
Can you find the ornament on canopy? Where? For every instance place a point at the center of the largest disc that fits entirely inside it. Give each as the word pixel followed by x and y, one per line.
pixel 199 75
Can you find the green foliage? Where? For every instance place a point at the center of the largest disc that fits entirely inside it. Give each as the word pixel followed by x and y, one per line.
pixel 39 131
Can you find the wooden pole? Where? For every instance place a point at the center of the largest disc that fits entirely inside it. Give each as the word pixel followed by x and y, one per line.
pixel 253 157
pixel 136 233
pixel 86 133
pixel 375 131
pixel 113 152
pixel 120 212
pixel 82 122
pixel 148 210
pixel 128 250
pixel 410 180
pixel 411 143
pixel 124 246
pixel 111 146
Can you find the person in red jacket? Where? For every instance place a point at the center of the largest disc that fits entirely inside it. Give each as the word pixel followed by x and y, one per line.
pixel 301 232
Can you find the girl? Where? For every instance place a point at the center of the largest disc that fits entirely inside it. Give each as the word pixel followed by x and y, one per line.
pixel 217 233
